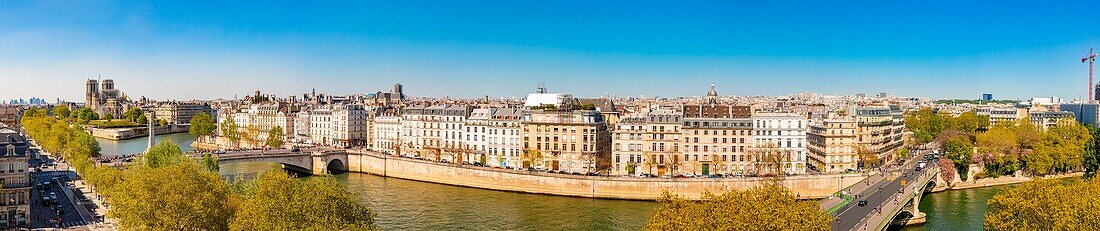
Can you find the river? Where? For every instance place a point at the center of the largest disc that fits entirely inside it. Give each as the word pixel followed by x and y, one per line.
pixel 412 205
pixel 138 145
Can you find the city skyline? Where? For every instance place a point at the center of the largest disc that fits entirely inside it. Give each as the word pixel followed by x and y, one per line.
pixel 466 50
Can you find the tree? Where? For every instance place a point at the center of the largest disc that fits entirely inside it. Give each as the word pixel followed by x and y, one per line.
pixel 1092 153
pixel 531 158
pixel 174 197
pixel 202 125
pixel 765 207
pixel 998 151
pixel 275 201
pixel 275 137
pixel 1046 205
pixel 867 158
pixel 163 154
pixel 210 162
pixel 229 130
pixel 84 115
pixel 132 114
pixel 960 151
pixel 107 116
pixel 162 122
pixel 61 111
pixel 769 159
pixel 142 120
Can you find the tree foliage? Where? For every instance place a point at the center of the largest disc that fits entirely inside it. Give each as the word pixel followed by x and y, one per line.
pixel 765 207
pixel 275 201
pixel 202 125
pixel 133 114
pixel 168 191
pixel 173 197
pixel 1092 153
pixel 163 154
pixel 1046 205
pixel 61 111
pixel 275 137
pixel 228 129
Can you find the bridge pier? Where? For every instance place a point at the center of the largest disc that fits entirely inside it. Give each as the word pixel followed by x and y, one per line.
pixel 913 208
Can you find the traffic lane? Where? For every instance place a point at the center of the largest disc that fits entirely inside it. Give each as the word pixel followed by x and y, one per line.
pixel 853 215
pixel 44 214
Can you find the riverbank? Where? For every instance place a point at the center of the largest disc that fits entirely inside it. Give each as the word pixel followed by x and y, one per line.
pixel 118 134
pixel 626 188
pixel 1007 180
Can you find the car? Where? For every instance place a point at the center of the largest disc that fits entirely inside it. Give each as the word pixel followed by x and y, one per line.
pixel 592 174
pixel 862 203
pixel 46 185
pixel 219 152
pixel 45 201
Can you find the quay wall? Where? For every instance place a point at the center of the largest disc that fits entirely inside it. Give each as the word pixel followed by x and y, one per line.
pixel 136 132
pixel 806 187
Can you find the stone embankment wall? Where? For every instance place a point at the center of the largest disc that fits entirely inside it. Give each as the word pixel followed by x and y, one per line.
pixel 807 187
pixel 136 132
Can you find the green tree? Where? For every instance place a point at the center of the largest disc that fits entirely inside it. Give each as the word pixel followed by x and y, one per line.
pixel 531 158
pixel 61 111
pixel 275 137
pixel 228 129
pixel 107 116
pixel 202 125
pixel 1092 153
pixel 210 162
pixel 163 154
pixel 275 201
pixel 960 150
pixel 162 122
pixel 765 207
pixel 173 197
pixel 132 114
pixel 1046 205
pixel 142 120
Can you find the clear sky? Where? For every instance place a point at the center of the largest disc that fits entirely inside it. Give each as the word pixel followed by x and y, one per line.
pixel 207 50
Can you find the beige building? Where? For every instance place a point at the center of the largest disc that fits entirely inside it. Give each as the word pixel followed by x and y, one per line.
pixel 716 145
pixel 349 125
pixel 254 122
pixel 647 142
pixel 180 112
pixel 880 130
pixel 16 192
pixel 832 145
pixel 573 141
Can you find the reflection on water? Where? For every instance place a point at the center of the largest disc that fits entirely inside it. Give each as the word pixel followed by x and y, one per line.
pixel 956 209
pixel 413 205
pixel 138 145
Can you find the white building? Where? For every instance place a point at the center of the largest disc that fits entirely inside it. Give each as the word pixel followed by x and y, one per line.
pixel 387 132
pixel 785 132
pixel 349 125
pixel 493 136
pixel 321 127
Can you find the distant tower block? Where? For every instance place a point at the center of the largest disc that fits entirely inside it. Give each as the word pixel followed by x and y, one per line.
pixel 398 91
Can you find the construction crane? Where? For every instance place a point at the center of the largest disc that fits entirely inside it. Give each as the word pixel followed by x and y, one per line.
pixel 1091 57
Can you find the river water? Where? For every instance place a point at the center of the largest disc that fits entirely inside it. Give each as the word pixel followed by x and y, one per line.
pixel 412 205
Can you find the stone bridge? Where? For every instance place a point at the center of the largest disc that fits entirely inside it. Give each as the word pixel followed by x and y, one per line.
pixel 905 212
pixel 305 162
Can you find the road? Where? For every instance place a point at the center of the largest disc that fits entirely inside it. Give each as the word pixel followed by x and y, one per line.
pixel 62 215
pixel 880 192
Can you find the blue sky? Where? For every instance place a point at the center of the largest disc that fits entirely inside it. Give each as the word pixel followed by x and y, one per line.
pixel 206 50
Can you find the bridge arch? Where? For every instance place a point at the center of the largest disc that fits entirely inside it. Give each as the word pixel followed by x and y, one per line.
pixel 336 166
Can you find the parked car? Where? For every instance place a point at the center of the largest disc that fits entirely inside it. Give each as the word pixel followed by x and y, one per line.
pixel 862 203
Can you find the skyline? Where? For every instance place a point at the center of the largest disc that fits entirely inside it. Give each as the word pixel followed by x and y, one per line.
pixel 175 50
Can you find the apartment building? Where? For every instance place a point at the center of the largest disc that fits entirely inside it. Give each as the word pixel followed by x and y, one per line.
pixel 493 136
pixel 879 129
pixel 321 126
pixel 718 144
pixel 999 115
pixel 832 145
pixel 349 125
pixel 180 112
pixel 387 132
pixel 1048 119
pixel 17 184
pixel 647 143
pixel 254 122
pixel 574 141
pixel 779 143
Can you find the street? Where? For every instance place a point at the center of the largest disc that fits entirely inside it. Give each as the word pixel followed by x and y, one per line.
pixel 46 215
pixel 878 193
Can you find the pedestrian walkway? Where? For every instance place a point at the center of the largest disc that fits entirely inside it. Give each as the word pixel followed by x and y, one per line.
pixel 73 224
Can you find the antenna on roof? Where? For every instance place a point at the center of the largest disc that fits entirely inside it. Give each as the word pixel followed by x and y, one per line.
pixel 542 88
